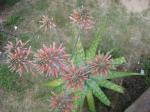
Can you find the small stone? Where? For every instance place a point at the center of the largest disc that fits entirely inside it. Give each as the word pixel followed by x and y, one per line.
pixel 15 28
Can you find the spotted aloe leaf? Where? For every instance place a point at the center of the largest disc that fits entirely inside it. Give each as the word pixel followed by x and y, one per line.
pixel 54 83
pixel 110 85
pixel 118 61
pixel 102 97
pixel 91 52
pixel 83 95
pixel 98 92
pixel 90 101
pixel 116 74
pixel 79 55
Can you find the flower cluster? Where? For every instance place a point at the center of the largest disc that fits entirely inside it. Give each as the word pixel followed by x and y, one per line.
pixel 101 64
pixel 75 77
pixel 62 103
pixel 18 56
pixel 55 62
pixel 10 47
pixel 47 23
pixel 82 18
pixel 51 60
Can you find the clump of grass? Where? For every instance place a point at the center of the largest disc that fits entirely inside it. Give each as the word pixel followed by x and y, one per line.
pixel 59 17
pixel 14 20
pixel 25 37
pixel 9 2
pixel 3 39
pixel 41 5
pixel 11 81
pixel 80 3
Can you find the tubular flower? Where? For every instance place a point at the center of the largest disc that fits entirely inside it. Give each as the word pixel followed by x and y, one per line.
pixel 61 103
pixel 101 64
pixel 82 18
pixel 51 60
pixel 18 56
pixel 47 23
pixel 10 47
pixel 75 77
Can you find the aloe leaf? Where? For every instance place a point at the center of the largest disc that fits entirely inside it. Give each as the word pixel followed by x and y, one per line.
pixel 54 83
pixel 98 92
pixel 110 85
pixel 91 52
pixel 90 101
pixel 118 61
pixel 102 97
pixel 82 97
pixel 116 74
pixel 79 55
pixel 92 84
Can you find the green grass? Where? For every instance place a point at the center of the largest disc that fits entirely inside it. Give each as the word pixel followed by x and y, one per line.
pixel 42 5
pixel 14 20
pixel 25 37
pixel 9 2
pixel 80 3
pixel 11 81
pixel 3 38
pixel 59 17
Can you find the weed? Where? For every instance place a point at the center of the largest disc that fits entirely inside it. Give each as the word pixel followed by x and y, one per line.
pixel 14 20
pixel 41 5
pixel 11 81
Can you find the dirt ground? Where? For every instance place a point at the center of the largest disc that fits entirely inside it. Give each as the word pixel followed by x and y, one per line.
pixel 136 5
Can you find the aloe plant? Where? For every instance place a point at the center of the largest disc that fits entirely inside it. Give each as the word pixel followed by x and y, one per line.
pixel 93 86
pixel 84 75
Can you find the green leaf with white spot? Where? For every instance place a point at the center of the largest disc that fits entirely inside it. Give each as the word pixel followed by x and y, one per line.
pixel 116 74
pixel 90 101
pixel 79 55
pixel 54 83
pixel 91 52
pixel 102 97
pixel 118 61
pixel 112 86
pixel 98 92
